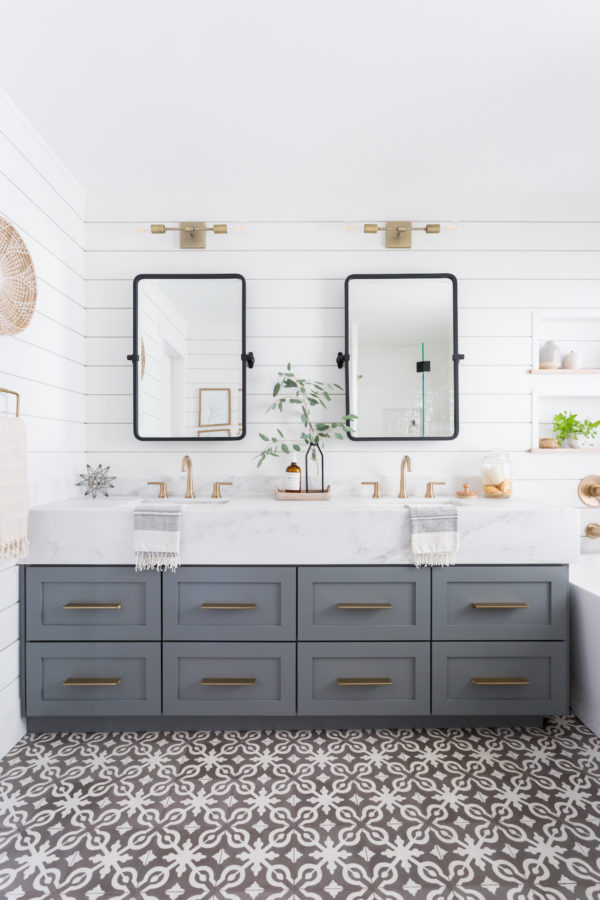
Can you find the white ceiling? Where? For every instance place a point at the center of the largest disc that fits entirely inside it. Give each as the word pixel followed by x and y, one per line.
pixel 449 95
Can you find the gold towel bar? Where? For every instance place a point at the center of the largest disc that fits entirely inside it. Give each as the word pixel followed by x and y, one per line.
pixel 373 681
pixel 228 682
pixel 500 605
pixel 103 681
pixel 228 606
pixel 91 606
pixel 15 394
pixel 364 606
pixel 495 681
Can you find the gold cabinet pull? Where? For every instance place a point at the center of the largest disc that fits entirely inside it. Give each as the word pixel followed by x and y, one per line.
pixel 364 606
pixel 91 606
pixel 228 682
pixel 102 681
pixel 373 681
pixel 228 606
pixel 500 605
pixel 502 680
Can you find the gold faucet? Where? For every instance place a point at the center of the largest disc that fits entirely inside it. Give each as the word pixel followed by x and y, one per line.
pixel 405 464
pixel 186 464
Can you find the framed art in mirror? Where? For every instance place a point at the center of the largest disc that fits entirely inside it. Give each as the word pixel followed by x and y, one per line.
pixel 401 357
pixel 189 357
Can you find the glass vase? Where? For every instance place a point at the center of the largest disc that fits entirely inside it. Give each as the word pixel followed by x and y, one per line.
pixel 314 469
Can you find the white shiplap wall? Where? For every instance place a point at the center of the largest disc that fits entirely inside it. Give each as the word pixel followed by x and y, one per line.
pixel 295 273
pixel 46 363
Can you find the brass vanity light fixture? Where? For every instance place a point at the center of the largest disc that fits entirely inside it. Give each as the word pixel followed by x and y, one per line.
pixel 192 235
pixel 398 235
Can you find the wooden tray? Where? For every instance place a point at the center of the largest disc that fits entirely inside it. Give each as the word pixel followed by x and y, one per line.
pixel 303 495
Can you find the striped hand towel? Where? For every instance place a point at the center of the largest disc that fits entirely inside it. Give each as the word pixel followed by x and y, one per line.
pixel 434 535
pixel 156 537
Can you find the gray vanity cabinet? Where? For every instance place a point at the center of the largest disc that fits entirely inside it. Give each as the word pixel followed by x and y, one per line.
pixel 492 603
pixel 241 679
pixel 92 603
pixel 237 603
pixel 499 677
pixel 346 603
pixel 93 679
pixel 365 678
pixel 318 642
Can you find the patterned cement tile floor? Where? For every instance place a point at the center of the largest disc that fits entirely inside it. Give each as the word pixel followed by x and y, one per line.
pixel 326 815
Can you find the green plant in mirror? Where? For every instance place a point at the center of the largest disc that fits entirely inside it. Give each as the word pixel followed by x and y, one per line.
pixel 307 397
pixel 567 425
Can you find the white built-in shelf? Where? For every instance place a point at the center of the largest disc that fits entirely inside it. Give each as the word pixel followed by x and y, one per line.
pixel 565 450
pixel 564 371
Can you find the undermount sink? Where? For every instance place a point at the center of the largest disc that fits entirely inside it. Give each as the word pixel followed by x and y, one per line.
pixel 188 501
pixel 416 501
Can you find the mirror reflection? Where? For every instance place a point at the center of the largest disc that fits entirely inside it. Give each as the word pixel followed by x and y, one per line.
pixel 190 379
pixel 401 374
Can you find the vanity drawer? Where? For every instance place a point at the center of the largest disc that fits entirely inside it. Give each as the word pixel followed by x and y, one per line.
pixel 535 673
pixel 92 603
pixel 238 603
pixel 127 679
pixel 367 678
pixel 363 603
pixel 500 603
pixel 220 680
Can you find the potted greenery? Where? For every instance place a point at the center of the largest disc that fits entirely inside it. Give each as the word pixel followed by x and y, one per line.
pixel 567 427
pixel 307 397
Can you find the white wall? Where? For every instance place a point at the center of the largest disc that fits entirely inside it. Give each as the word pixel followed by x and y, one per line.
pixel 295 273
pixel 46 363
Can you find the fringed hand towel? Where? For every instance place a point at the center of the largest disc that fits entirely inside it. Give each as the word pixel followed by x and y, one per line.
pixel 156 537
pixel 434 535
pixel 14 496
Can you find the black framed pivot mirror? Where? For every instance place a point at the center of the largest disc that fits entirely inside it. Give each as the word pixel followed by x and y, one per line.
pixel 189 357
pixel 401 357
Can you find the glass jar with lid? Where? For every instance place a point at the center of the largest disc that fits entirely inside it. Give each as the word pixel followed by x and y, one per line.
pixel 496 475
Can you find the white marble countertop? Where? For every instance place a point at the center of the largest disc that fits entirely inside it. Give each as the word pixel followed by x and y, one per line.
pixel 259 530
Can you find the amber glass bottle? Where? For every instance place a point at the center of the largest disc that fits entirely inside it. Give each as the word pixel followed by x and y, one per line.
pixel 293 477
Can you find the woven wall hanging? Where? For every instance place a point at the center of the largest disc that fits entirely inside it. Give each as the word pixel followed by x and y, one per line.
pixel 18 285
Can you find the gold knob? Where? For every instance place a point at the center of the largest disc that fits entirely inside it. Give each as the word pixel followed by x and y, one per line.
pixel 592 530
pixel 376 489
pixel 162 491
pixel 589 490
pixel 216 491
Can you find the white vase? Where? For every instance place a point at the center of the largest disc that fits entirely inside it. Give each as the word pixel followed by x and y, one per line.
pixel 571 360
pixel 550 356
pixel 574 442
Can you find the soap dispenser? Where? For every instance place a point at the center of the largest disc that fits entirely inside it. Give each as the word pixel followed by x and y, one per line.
pixel 293 477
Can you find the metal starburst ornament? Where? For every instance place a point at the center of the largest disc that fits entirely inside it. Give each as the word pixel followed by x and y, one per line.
pixel 96 480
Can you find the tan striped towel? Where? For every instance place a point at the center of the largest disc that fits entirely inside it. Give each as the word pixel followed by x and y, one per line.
pixel 434 534
pixel 156 537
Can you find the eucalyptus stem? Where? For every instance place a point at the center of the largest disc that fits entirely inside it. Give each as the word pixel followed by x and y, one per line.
pixel 309 396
